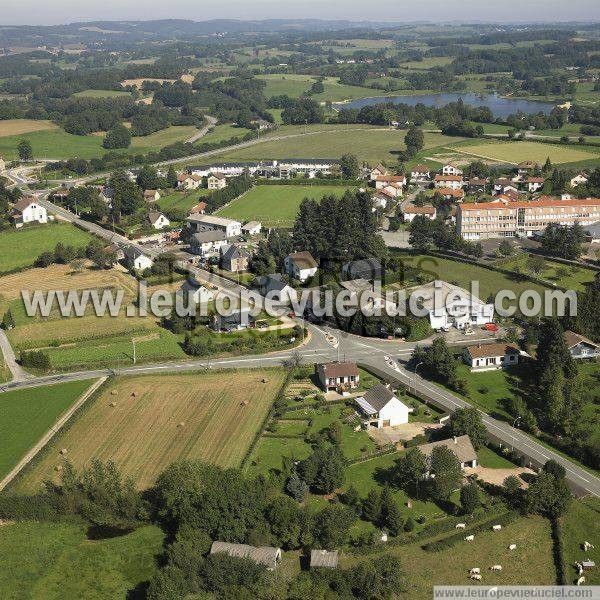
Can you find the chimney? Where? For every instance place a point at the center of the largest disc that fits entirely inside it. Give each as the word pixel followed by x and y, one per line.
pixel 454 439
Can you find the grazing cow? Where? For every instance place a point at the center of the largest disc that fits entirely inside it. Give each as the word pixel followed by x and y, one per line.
pixel 496 568
pixel 497 527
pixel 581 580
pixel 587 546
pixel 469 538
pixel 474 571
pixel 512 547
pixel 579 568
pixel 475 576
pixel 460 526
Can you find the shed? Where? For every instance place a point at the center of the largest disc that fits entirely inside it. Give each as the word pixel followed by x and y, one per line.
pixel 324 559
pixel 267 556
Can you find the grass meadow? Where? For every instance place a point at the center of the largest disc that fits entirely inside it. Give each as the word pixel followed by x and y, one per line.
pixel 26 415
pixel 157 419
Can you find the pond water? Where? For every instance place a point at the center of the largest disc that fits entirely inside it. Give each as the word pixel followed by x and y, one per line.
pixel 500 106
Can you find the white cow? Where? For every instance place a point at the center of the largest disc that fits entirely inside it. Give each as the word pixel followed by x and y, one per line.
pixel 512 547
pixel 469 538
pixel 496 568
pixel 460 526
pixel 474 571
pixel 587 546
pixel 581 580
pixel 497 527
pixel 579 567
pixel 475 576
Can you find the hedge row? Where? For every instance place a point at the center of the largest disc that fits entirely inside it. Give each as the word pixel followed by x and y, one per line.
pixel 558 552
pixel 370 455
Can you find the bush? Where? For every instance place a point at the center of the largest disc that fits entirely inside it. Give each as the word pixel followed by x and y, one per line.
pixel 36 359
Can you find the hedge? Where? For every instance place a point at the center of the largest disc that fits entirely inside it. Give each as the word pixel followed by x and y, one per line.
pixel 558 552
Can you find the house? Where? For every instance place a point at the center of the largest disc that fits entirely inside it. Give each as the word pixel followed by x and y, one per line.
pixel 420 174
pixel 362 269
pixel 580 346
pixel 524 168
pixel 233 259
pixel 151 195
pixel 115 249
pixel 199 222
pixel 396 181
pixel 158 220
pixel 491 356
pixel 363 291
pixel 267 556
pixel 476 185
pixel 450 194
pixel 410 212
pixel 502 184
pixel 200 209
pixel 448 305
pixel 276 288
pixel 198 294
pixel 27 210
pixel 337 376
pixel 300 265
pixel 107 194
pixel 237 320
pixel 450 169
pixel 453 182
pixel 207 241
pixel 324 559
pixel 186 181
pixel 461 446
pixel 378 171
pixel 216 181
pixel 534 184
pixel 251 228
pixel 381 408
pixel 579 179
pixel 382 197
pixel 136 260
pixel 60 195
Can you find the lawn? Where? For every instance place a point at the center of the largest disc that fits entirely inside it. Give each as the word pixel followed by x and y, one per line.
pixel 26 415
pixel 492 460
pixel 530 564
pixel 516 152
pixel 368 144
pixel 56 561
pixel 20 248
pixel 580 524
pixel 181 200
pixel 570 277
pixel 276 205
pixel 222 133
pixel 156 419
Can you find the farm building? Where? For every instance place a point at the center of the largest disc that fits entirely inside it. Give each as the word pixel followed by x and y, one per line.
pixel 267 556
pixel 381 408
pixel 337 375
pixel 199 222
pixel 252 228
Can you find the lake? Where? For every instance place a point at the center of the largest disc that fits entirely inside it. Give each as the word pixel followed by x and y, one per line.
pixel 500 107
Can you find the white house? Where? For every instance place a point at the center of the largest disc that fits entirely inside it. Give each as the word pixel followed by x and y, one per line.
pixel 198 294
pixel 216 181
pixel 136 260
pixel 378 171
pixel 27 210
pixel 205 242
pixel 383 181
pixel 151 195
pixel 252 228
pixel 188 182
pixel 450 169
pixel 158 220
pixel 381 408
pixel 491 356
pixel 300 265
pixel 579 179
pixel 276 288
pixel 580 346
pixel 534 183
pixel 453 182
pixel 420 174
pixel 337 375
pixel 199 222
pixel 410 212
pixel 448 305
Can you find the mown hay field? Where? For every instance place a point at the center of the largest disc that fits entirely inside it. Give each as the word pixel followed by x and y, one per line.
pixel 19 126
pixel 201 416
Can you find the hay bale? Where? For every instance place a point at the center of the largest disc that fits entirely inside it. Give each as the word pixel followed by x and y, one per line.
pixel 133 394
pixel 63 451
pixel 113 404
pixel 181 425
pixel 58 468
pixel 264 380
pixel 113 393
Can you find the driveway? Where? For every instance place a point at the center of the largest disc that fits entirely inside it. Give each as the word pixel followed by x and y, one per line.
pixel 400 433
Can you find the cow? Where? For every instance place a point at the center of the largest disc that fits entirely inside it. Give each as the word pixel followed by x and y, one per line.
pixel 475 577
pixel 497 527
pixel 496 568
pixel 474 571
pixel 469 538
pixel 579 568
pixel 581 580
pixel 587 546
pixel 512 547
pixel 460 526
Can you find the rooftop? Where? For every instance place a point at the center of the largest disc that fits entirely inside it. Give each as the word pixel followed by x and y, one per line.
pixel 461 446
pixel 490 350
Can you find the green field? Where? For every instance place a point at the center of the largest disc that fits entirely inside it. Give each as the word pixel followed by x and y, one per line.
pixel 222 133
pixel 57 562
pixel 101 94
pixel 580 524
pixel 516 152
pixel 26 415
pixel 171 199
pixel 20 248
pixel 276 205
pixel 368 144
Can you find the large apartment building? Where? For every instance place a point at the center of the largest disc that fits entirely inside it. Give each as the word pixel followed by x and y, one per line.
pixel 522 219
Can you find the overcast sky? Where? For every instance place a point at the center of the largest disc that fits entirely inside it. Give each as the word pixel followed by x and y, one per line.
pixel 52 12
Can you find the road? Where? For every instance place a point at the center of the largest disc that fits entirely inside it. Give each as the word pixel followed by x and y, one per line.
pixel 202 132
pixel 10 360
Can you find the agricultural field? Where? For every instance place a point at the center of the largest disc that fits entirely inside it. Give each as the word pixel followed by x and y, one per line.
pixel 198 415
pixel 276 205
pixel 221 133
pixel 26 415
pixel 580 524
pixel 164 137
pixel 101 94
pixel 57 560
pixel 20 248
pixel 516 152
pixel 530 564
pixel 10 127
pixel 369 144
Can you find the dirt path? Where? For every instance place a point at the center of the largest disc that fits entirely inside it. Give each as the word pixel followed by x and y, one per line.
pixel 202 132
pixel 50 433
pixel 18 373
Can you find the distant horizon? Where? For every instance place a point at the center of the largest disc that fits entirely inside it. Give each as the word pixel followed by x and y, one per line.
pixel 510 12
